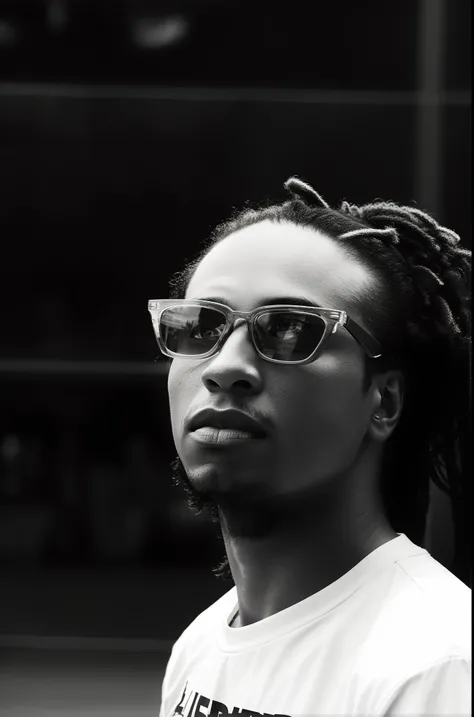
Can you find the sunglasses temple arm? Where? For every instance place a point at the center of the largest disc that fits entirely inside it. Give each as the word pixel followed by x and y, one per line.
pixel 368 343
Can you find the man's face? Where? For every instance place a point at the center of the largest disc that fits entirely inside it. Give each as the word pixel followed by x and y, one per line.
pixel 317 414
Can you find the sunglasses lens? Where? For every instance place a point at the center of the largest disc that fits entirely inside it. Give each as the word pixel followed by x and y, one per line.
pixel 194 330
pixel 191 330
pixel 288 336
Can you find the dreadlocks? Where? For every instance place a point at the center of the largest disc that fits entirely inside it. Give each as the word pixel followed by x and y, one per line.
pixel 422 319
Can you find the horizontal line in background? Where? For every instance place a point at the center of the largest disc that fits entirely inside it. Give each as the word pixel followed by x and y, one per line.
pixel 82 368
pixel 238 94
pixel 115 644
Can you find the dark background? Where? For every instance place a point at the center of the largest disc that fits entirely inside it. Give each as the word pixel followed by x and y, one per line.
pixel 128 129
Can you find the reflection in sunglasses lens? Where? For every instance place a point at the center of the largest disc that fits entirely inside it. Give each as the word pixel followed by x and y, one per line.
pixel 282 336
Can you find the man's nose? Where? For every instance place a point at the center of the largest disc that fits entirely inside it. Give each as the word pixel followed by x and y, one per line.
pixel 237 365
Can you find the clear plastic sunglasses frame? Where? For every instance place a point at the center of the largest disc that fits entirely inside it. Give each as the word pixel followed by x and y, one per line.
pixel 332 318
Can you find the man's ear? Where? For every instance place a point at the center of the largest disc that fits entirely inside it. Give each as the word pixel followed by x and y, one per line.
pixel 388 398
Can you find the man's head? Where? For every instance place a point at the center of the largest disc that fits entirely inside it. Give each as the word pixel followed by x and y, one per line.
pixel 328 418
pixel 318 414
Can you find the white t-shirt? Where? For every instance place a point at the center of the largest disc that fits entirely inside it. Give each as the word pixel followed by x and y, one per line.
pixel 390 637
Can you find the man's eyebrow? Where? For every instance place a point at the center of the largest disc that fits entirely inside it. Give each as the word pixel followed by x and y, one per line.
pixel 292 300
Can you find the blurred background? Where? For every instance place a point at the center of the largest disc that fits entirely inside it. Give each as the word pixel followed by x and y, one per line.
pixel 127 131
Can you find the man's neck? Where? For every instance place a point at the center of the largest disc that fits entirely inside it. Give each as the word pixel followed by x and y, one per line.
pixel 274 571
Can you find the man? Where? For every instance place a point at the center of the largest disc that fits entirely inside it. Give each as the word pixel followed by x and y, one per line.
pixel 311 404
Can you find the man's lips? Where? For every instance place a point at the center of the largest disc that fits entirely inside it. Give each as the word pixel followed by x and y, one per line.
pixel 227 420
pixel 224 436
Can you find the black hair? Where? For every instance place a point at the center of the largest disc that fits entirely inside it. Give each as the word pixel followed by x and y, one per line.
pixel 423 324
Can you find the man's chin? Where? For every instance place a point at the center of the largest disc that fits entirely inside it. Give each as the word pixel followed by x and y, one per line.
pixel 249 512
pixel 199 501
pixel 207 490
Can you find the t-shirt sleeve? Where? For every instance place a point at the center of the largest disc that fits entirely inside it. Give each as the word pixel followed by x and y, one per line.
pixel 442 689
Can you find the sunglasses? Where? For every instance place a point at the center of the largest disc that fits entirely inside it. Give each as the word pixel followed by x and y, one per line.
pixel 197 328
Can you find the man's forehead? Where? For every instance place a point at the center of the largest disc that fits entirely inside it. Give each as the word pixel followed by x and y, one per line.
pixel 272 259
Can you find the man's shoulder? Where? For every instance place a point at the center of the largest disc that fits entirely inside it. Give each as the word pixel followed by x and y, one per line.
pixel 431 595
pixel 425 618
